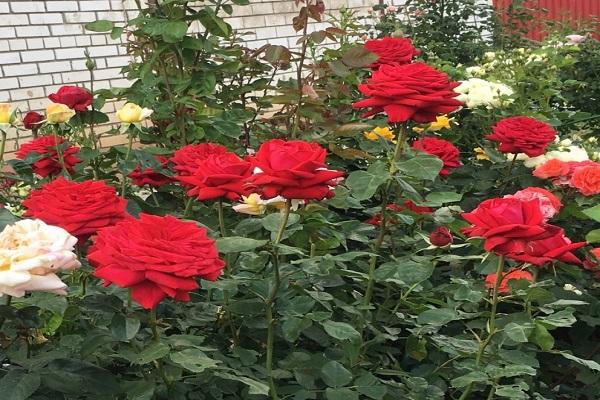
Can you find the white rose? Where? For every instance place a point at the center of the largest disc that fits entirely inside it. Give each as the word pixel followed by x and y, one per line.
pixel 31 253
pixel 477 92
pixel 572 153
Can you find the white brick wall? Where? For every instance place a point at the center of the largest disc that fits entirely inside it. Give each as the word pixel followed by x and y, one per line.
pixel 42 43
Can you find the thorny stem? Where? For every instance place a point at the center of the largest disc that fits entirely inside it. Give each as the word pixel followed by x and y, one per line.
pixel 221 219
pixel 299 73
pixel 156 337
pixel 127 154
pixel 271 300
pixel 2 147
pixel 61 159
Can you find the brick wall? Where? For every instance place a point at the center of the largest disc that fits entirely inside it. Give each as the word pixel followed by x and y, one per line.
pixel 42 44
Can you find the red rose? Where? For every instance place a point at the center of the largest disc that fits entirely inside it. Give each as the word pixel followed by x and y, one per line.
pixel 32 120
pixel 543 248
pixel 219 176
pixel 410 205
pixel 391 51
pixel 156 257
pixel 506 220
pixel 80 208
pixel 441 237
pixel 592 263
pixel 522 135
pixel 511 275
pixel 407 205
pixel 149 176
pixel 442 149
pixel 48 163
pixel 416 92
pixel 586 180
pixel 186 159
pixel 75 97
pixel 294 170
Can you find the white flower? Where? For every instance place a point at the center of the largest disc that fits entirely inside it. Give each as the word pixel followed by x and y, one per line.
pixel 475 71
pixel 571 153
pixel 31 253
pixel 566 142
pixel 253 204
pixel 571 288
pixel 489 55
pixel 477 92
pixel 575 39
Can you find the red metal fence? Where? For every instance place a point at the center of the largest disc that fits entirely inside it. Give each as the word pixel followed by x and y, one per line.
pixel 574 12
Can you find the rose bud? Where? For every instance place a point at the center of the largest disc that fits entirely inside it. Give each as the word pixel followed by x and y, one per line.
pixel 441 237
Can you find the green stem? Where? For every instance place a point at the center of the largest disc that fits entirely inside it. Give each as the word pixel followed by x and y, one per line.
pixel 299 74
pixel 491 324
pixel 156 338
pixel 2 147
pixel 154 198
pixel 188 207
pixel 221 219
pixel 270 303
pixel 127 154
pixel 61 159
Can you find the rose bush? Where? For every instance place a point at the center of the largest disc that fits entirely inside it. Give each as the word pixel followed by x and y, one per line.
pixel 256 237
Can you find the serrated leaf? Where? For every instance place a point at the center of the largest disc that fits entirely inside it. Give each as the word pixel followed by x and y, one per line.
pixel 235 244
pixel 18 385
pixel 340 330
pixel 193 360
pixel 102 25
pixel 335 375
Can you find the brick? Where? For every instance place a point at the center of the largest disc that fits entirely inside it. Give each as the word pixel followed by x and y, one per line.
pixel 98 40
pixel 38 104
pixel 51 42
pixel 111 16
pixel 15 19
pixel 75 77
pixel 35 43
pixel 61 5
pixel 69 53
pixel 83 40
pixel 58 66
pixel 36 80
pixel 37 55
pixel 91 5
pixel 57 79
pixel 27 6
pixel 4 45
pixel 17 44
pixel 99 51
pixel 78 17
pixel 110 73
pixel 7 33
pixel 68 41
pixel 27 94
pixel 262 8
pixel 254 21
pixel 117 61
pixel 4 9
pixel 46 18
pixel 68 29
pixel 10 58
pixel 32 31
pixel 21 69
pixel 8 83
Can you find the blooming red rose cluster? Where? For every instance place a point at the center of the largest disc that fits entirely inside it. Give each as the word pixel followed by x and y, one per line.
pixel 443 149
pixel 391 51
pixel 149 176
pixel 522 134
pixel 74 97
pixel 415 92
pixel 156 257
pixel 516 227
pixel 79 208
pixel 47 148
pixel 581 175
pixel 291 169
pixel 513 274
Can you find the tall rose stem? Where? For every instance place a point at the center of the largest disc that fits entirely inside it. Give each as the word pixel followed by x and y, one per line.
pixel 127 154
pixel 2 147
pixel 61 158
pixel 380 238
pixel 188 207
pixel 221 218
pixel 491 323
pixel 156 338
pixel 271 300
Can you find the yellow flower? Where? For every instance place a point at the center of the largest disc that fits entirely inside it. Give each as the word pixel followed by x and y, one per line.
pixel 131 113
pixel 418 129
pixel 57 113
pixel 384 133
pixel 441 122
pixel 6 114
pixel 251 204
pixel 480 154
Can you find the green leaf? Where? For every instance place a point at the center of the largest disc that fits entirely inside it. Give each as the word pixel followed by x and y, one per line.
pixel 542 337
pixel 46 301
pixel 591 364
pixel 75 376
pixel 421 166
pixel 254 387
pixel 18 385
pixel 213 23
pixel 272 222
pixel 193 360
pixel 151 353
pixel 335 375
pixel 341 394
pixel 236 244
pixel 116 32
pixel 593 236
pixel 438 316
pixel 471 377
pixel 340 330
pixel 443 197
pixel 593 213
pixel 173 31
pixel 358 56
pixel 404 272
pixel 518 331
pixel 364 184
pixel 370 386
pixel 292 327
pixel 102 25
pixel 6 218
pixel 124 328
pixel 416 347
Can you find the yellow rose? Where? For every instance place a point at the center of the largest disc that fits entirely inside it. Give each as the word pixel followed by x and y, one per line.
pixel 480 154
pixel 441 122
pixel 6 114
pixel 131 113
pixel 384 133
pixel 252 204
pixel 57 113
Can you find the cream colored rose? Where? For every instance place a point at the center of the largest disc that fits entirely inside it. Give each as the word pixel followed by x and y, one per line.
pixel 476 92
pixel 6 114
pixel 131 113
pixel 31 253
pixel 57 113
